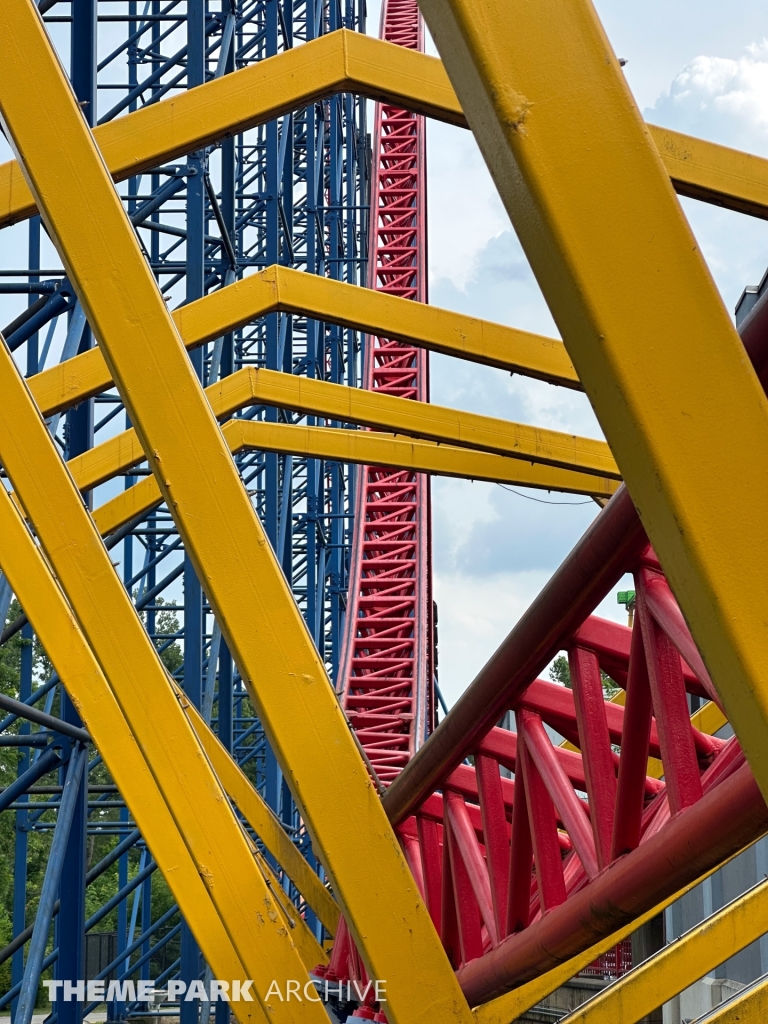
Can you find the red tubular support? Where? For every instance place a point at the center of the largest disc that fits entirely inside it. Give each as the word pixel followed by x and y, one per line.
pixel 595 748
pixel 464 780
pixel 520 864
pixel 449 924
pixel 495 834
pixel 541 813
pixel 638 714
pixel 731 816
pixel 666 611
pixel 613 541
pixel 474 864
pixel 431 866
pixel 572 811
pixel 409 842
pixel 467 910
pixel 670 704
pixel 557 705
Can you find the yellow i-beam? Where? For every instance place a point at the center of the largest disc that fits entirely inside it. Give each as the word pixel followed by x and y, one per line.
pixel 244 584
pixel 639 313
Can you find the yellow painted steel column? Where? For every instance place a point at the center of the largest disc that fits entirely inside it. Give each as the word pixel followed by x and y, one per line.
pixel 679 964
pixel 30 576
pixel 245 586
pixel 637 309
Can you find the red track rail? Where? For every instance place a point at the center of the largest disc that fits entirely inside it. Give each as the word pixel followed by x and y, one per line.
pixel 386 664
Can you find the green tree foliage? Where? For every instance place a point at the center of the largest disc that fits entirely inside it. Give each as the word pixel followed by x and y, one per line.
pixel 39 841
pixel 560 672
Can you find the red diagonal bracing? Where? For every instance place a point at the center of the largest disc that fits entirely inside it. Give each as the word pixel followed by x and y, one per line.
pixel 386 666
pixel 581 842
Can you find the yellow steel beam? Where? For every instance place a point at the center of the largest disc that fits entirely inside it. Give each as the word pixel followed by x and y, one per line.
pixel 420 419
pixel 679 964
pixel 748 1007
pixel 141 686
pixel 361 447
pixel 25 567
pixel 582 458
pixel 714 174
pixel 260 622
pixel 265 823
pixel 370 448
pixel 341 61
pixel 633 299
pixel 280 289
pixel 514 1004
pixel 345 61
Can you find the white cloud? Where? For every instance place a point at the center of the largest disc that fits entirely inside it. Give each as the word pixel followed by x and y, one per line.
pixel 725 99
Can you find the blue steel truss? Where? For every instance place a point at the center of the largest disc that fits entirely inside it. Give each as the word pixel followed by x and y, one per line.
pixel 294 192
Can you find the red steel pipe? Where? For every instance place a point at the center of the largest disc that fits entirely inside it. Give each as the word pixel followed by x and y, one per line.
pixel 731 816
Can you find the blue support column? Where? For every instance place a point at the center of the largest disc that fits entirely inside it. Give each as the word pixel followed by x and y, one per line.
pixel 53 872
pixel 70 922
pixel 195 287
pixel 21 838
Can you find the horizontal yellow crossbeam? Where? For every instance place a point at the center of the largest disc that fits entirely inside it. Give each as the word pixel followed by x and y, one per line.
pixel 368 449
pixel 265 824
pixel 371 448
pixel 515 441
pixel 346 61
pixel 341 61
pixel 714 174
pixel 291 291
pixel 679 964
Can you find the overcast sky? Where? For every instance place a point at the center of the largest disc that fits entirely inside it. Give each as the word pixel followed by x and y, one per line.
pixel 700 68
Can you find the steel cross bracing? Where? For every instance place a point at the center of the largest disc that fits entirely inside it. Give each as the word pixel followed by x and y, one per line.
pixel 574 876
pixel 291 192
pixel 386 677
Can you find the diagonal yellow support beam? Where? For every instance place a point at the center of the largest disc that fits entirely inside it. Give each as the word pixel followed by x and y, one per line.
pixel 577 455
pixel 633 299
pixel 23 564
pixel 519 1001
pixel 46 606
pixel 264 822
pixel 679 964
pixel 280 289
pixel 215 841
pixel 346 61
pixel 222 535
pixel 748 1007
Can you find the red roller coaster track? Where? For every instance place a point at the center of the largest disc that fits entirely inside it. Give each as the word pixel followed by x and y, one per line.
pixel 387 665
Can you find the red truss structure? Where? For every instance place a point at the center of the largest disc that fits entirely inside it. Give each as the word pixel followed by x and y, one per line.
pixel 387 663
pixel 521 875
